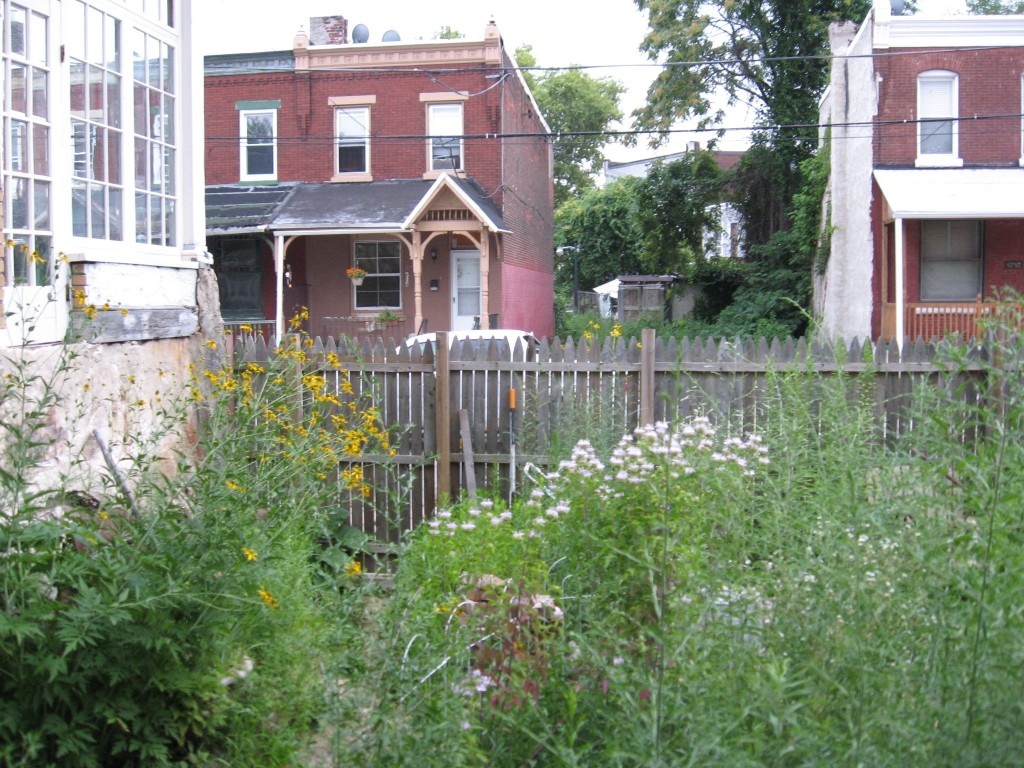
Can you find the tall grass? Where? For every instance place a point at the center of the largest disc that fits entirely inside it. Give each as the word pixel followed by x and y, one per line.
pixel 853 601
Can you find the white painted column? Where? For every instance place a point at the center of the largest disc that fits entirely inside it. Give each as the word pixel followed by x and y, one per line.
pixel 901 299
pixel 279 286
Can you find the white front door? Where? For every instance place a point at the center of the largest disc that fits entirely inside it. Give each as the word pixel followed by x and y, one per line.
pixel 465 289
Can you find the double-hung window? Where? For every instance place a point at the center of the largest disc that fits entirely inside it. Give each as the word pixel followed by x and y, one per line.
pixel 382 286
pixel 937 119
pixel 258 129
pixel 951 260
pixel 444 126
pixel 352 126
pixel 352 137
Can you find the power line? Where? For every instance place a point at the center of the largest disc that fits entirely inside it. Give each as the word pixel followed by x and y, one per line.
pixel 635 132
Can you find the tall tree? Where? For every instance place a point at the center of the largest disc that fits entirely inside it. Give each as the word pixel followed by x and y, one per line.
pixel 579 109
pixel 769 54
pixel 995 7
pixel 677 207
pixel 604 224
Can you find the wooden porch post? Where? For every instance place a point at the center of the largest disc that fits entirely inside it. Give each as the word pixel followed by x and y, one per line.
pixel 279 249
pixel 485 272
pixel 417 279
pixel 901 299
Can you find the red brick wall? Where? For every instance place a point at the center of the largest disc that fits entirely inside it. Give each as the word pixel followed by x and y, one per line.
pixel 513 171
pixel 528 297
pixel 306 123
pixel 989 84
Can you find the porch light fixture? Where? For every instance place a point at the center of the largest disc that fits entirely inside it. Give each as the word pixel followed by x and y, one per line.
pixel 433 254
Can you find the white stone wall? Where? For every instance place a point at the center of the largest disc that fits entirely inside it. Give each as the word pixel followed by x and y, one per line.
pixel 133 394
pixel 842 293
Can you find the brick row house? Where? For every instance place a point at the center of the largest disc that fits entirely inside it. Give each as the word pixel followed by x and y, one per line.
pixel 425 165
pixel 926 197
pixel 103 227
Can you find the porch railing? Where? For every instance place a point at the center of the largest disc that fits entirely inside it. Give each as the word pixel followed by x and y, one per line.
pixel 936 320
pixel 242 328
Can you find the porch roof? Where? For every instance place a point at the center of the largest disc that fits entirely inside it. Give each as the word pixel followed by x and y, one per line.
pixel 372 206
pixel 243 208
pixel 953 193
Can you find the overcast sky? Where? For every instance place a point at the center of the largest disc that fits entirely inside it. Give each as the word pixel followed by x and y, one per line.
pixel 562 32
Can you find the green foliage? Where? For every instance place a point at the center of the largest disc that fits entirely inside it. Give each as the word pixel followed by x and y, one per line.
pixel 448 33
pixel 677 204
pixel 995 7
pixel 182 623
pixel 605 224
pixel 580 106
pixel 654 604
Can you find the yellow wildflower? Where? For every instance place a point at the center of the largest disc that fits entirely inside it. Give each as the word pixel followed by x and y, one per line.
pixel 211 343
pixel 268 599
pixel 249 554
pixel 353 568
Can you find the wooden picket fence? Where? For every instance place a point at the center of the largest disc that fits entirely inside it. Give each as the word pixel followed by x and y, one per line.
pixel 456 429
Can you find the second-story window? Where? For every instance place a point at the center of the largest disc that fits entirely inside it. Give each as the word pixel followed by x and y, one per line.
pixel 259 144
pixel 937 113
pixel 352 127
pixel 445 129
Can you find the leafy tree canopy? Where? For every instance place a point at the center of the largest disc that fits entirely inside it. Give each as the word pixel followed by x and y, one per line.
pixel 995 7
pixel 766 53
pixel 605 225
pixel 448 33
pixel 574 103
pixel 677 205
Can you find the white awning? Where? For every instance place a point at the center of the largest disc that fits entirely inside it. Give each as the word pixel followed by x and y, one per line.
pixel 954 193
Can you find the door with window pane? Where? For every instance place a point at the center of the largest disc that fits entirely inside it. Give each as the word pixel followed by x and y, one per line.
pixel 465 289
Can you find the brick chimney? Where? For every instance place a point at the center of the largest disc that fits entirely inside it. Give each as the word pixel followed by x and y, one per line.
pixel 328 30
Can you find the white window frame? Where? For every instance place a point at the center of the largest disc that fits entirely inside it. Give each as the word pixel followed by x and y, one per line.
pixel 971 233
pixel 361 114
pixel 437 105
pixel 929 114
pixel 363 101
pixel 244 144
pixel 367 262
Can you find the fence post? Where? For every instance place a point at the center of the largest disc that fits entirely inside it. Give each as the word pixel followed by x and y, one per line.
pixel 443 416
pixel 647 342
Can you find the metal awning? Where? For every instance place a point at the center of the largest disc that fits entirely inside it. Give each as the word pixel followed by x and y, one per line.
pixel 953 193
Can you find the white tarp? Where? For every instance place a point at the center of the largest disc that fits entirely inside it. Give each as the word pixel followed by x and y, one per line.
pixel 606 292
pixel 954 193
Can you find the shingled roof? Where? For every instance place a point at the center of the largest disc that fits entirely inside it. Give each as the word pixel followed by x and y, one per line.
pixel 378 206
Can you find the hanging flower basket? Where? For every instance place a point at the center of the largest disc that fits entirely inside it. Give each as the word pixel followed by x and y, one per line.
pixel 356 274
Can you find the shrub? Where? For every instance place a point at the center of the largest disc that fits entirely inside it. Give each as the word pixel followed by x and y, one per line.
pixel 156 620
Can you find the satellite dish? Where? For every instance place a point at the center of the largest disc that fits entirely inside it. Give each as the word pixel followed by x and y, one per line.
pixel 391 37
pixel 360 34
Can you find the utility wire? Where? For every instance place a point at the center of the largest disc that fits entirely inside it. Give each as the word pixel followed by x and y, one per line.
pixel 634 132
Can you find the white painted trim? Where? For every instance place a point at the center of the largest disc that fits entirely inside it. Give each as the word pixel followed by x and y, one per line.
pixel 955 31
pixel 901 299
